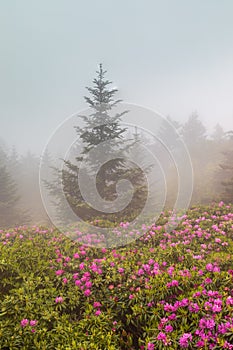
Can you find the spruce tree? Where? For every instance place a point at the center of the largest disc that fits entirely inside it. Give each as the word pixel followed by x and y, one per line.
pixel 227 167
pixel 101 127
pixel 194 133
pixel 10 214
pixel 8 199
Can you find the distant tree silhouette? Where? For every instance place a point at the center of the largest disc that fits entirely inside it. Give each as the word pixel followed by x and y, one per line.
pixel 227 167
pixel 193 132
pixel 10 214
pixel 218 134
pixel 28 181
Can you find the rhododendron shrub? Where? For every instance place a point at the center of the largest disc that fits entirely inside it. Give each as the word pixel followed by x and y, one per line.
pixel 170 289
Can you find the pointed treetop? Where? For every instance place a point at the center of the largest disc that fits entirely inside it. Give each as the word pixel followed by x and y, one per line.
pixel 101 72
pixel 100 95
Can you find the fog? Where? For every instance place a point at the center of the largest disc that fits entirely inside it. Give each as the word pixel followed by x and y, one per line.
pixel 171 57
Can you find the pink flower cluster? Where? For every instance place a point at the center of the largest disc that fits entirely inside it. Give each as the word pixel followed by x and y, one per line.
pixel 185 339
pixel 59 300
pixel 32 323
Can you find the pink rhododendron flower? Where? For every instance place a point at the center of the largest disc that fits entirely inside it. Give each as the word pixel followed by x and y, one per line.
pixel 209 267
pixel 174 283
pixel 88 284
pixel 59 300
pixel 97 304
pixel 87 292
pixel 216 269
pixel 217 308
pixel 78 283
pixel 229 300
pixel 193 307
pixel 172 317
pixel 24 322
pixel 140 272
pixel 168 328
pixel 162 336
pixel 81 266
pixel 184 340
pixel 184 302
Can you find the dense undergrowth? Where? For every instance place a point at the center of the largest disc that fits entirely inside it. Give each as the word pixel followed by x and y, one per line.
pixel 171 289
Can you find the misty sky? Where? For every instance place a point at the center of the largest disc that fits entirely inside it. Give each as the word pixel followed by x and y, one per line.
pixel 173 56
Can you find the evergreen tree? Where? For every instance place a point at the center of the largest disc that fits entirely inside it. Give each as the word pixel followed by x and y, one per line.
pixel 227 167
pixel 194 136
pixel 101 127
pixel 218 134
pixel 194 133
pixel 10 214
pixel 8 199
pixel 29 188
pixel 168 133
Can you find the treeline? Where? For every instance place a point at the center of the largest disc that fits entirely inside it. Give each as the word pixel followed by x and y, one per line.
pixel 212 161
pixel 20 200
pixel 211 155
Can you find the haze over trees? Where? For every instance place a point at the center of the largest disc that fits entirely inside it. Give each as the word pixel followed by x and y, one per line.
pixel 10 213
pixel 227 169
pixel 20 200
pixel 211 155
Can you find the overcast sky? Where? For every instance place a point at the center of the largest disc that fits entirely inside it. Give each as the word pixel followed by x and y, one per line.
pixel 173 56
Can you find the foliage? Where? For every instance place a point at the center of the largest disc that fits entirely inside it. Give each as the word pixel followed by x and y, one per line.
pixel 108 165
pixel 171 289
